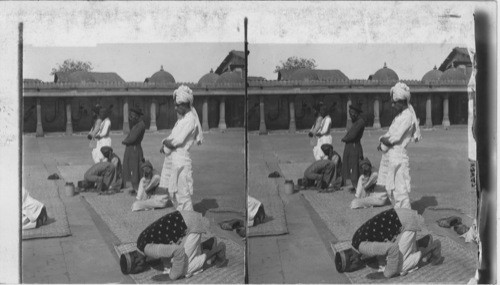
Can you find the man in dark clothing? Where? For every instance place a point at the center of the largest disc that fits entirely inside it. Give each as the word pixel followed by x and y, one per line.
pixel 353 151
pixel 324 174
pixel 111 157
pixel 133 150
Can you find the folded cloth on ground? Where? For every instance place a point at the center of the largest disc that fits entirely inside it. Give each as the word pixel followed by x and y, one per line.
pixel 155 202
pixel 274 174
pixel 53 177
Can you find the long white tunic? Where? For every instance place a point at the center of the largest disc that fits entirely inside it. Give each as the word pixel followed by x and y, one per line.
pixel 325 138
pixel 31 209
pixel 104 140
pixel 394 166
pixel 176 172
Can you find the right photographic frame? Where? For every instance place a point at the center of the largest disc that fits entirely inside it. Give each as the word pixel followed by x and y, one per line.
pixel 369 147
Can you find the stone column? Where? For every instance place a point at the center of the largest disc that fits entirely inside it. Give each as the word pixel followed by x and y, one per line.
pixel 428 111
pixel 39 128
pixel 222 114
pixel 349 121
pixel 446 118
pixel 376 113
pixel 152 125
pixel 262 126
pixel 69 124
pixel 204 124
pixel 126 126
pixel 291 102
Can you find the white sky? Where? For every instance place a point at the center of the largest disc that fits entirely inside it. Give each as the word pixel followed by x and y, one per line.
pixel 188 62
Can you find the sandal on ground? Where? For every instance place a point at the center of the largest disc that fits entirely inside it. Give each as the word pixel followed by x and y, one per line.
pixel 461 229
pixel 449 222
pixel 231 224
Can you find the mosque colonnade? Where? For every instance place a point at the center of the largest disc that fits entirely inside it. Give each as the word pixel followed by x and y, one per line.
pixel 272 105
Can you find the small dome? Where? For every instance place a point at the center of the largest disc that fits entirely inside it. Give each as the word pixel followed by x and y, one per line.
pixel 453 73
pixel 304 74
pixel 209 78
pixel 432 75
pixel 230 77
pixel 161 77
pixel 385 74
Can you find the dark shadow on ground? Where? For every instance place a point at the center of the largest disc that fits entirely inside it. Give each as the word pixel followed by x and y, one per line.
pixel 49 221
pixel 205 205
pixel 423 203
pixel 267 219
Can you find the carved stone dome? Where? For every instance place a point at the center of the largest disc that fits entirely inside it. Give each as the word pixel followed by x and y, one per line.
pixel 385 74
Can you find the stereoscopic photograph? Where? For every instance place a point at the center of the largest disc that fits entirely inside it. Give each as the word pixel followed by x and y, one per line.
pixel 249 142
pixel 133 154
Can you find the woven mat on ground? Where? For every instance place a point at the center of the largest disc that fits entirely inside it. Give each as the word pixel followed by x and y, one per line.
pixel 334 209
pixel 459 267
pixel 265 190
pixel 72 173
pixel 115 210
pixel 233 273
pixel 57 224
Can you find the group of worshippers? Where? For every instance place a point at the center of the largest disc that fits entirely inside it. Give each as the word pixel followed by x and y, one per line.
pixel 330 172
pixel 354 171
pixel 176 237
pixel 392 233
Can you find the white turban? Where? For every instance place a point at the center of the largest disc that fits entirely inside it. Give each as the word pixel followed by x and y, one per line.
pixel 401 91
pixel 184 94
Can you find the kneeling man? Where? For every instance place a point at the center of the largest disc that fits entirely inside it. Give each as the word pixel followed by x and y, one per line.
pixel 177 236
pixel 324 175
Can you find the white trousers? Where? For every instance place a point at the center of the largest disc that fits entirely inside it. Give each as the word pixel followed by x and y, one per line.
pixel 97 155
pixel 192 247
pixel 408 248
pixel 398 182
pixel 318 153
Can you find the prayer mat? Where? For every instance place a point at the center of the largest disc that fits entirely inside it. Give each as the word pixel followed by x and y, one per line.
pixel 57 224
pixel 267 192
pixel 73 173
pixel 233 273
pixel 45 191
pixel 115 211
pixel 459 266
pixel 335 211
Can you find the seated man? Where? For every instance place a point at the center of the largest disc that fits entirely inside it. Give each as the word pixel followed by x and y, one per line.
pixel 146 198
pixel 392 234
pixel 368 193
pixel 177 236
pixel 34 213
pixel 324 175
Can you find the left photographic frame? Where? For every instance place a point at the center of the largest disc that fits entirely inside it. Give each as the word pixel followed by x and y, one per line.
pixel 132 129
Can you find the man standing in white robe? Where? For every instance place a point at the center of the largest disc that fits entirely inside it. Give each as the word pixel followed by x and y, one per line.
pixel 323 134
pixel 176 172
pixel 404 128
